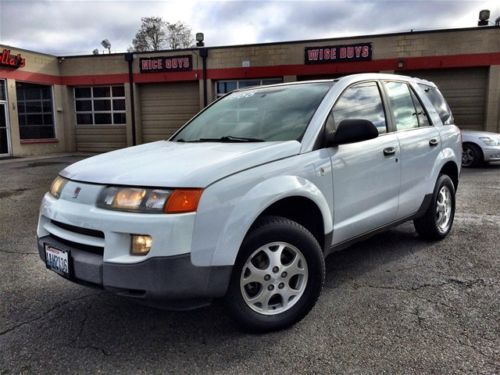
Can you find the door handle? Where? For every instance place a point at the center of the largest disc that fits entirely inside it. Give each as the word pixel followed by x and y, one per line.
pixel 433 142
pixel 389 151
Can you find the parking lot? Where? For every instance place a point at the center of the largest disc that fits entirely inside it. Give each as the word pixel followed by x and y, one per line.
pixel 393 303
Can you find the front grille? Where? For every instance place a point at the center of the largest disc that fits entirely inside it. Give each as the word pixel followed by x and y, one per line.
pixel 90 249
pixel 84 231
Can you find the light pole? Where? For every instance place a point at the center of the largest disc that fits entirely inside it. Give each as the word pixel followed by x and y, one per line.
pixel 106 44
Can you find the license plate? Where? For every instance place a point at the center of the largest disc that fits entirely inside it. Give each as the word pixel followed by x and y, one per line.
pixel 57 260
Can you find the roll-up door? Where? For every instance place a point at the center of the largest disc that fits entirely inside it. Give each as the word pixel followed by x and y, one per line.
pixel 100 138
pixel 465 91
pixel 166 107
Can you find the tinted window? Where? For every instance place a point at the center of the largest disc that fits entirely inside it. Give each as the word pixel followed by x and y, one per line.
pixel 403 110
pixel 439 104
pixel 4 146
pixel 100 105
pixel 35 114
pixel 101 92
pixel 2 90
pixel 361 101
pixel 82 92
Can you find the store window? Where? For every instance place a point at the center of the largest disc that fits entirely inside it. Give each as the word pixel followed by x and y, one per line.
pixel 3 96
pixel 35 110
pixel 100 105
pixel 223 87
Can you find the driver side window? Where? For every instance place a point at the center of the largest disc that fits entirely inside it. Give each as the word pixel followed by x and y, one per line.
pixel 360 101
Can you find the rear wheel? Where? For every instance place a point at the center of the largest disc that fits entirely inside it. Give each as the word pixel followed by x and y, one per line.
pixel 472 156
pixel 278 275
pixel 438 219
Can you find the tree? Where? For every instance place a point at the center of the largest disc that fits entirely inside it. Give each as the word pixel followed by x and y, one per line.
pixel 151 36
pixel 179 35
pixel 155 34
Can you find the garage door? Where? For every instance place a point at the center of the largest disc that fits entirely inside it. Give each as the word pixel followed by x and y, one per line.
pixel 465 91
pixel 165 107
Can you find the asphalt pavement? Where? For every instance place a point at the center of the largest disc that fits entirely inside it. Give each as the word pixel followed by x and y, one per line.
pixel 391 304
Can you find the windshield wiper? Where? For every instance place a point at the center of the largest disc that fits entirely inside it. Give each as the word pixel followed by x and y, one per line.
pixel 230 138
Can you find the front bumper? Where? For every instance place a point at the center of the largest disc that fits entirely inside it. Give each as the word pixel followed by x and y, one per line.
pixel 168 278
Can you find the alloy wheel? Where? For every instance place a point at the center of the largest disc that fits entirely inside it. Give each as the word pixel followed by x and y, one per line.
pixel 443 209
pixel 274 278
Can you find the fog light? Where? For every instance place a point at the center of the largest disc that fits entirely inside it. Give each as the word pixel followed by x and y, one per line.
pixel 141 244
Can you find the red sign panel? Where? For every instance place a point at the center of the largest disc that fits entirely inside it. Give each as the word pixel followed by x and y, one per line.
pixel 332 54
pixel 12 61
pixel 166 64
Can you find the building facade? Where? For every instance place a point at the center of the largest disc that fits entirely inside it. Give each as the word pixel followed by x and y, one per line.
pixel 98 103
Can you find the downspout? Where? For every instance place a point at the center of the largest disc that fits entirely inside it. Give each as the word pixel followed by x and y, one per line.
pixel 204 55
pixel 129 57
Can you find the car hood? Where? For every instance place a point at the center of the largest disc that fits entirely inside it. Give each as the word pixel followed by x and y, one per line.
pixel 177 164
pixel 469 134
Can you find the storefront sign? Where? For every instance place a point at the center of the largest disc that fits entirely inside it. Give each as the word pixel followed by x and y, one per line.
pixel 12 61
pixel 332 54
pixel 166 64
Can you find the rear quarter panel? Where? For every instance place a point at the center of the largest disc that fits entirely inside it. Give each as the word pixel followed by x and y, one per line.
pixel 451 143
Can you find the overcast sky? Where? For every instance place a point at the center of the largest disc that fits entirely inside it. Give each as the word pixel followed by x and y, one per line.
pixel 77 27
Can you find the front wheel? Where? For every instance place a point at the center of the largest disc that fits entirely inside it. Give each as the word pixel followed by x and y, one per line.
pixel 278 275
pixel 472 155
pixel 438 219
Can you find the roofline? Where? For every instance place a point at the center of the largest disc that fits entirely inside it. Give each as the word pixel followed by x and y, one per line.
pixel 26 50
pixel 437 31
pixel 192 49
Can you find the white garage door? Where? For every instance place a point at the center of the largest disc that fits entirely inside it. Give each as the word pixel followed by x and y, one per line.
pixel 165 107
pixel 465 91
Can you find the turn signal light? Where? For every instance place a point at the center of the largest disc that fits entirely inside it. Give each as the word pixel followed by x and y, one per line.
pixel 183 200
pixel 141 244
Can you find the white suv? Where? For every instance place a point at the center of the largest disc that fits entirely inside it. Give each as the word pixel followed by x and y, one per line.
pixel 249 197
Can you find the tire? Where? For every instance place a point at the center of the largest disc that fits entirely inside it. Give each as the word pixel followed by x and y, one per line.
pixel 472 156
pixel 438 219
pixel 258 269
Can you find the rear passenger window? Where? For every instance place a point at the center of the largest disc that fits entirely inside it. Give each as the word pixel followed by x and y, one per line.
pixel 361 101
pixel 403 109
pixel 439 104
pixel 423 119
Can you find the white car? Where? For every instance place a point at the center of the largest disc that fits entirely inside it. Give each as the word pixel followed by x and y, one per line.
pixel 248 198
pixel 479 147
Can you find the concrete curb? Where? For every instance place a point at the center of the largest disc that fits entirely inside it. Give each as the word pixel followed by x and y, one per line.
pixel 10 160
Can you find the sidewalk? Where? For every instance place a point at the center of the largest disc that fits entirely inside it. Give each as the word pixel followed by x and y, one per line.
pixel 15 159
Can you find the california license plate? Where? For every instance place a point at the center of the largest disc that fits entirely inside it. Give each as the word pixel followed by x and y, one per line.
pixel 57 260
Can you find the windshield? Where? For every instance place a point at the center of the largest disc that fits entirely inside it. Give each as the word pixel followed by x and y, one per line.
pixel 276 113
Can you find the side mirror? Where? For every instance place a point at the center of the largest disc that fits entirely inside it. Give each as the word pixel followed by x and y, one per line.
pixel 353 130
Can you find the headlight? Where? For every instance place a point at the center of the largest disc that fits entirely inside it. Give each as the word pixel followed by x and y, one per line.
pixel 57 186
pixel 489 141
pixel 149 200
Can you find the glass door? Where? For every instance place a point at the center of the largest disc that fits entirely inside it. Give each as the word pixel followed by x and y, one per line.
pixel 4 126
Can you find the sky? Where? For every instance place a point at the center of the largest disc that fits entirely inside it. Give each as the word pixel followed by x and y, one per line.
pixel 62 27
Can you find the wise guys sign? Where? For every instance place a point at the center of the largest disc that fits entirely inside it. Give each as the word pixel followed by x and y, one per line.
pixel 332 54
